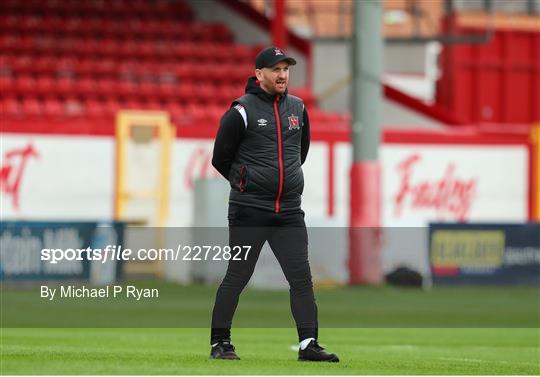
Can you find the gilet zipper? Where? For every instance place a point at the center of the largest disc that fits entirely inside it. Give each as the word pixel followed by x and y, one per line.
pixel 280 153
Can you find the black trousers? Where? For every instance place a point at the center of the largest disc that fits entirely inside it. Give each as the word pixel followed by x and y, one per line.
pixel 287 236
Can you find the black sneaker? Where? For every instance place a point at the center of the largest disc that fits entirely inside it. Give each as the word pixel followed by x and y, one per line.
pixel 314 352
pixel 223 350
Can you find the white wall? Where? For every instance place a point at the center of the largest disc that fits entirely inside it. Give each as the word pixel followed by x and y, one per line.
pixel 410 68
pixel 72 178
pixel 69 178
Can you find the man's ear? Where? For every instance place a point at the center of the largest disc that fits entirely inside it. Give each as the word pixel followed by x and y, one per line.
pixel 258 74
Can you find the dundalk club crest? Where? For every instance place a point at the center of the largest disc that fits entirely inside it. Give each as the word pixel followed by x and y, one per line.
pixel 294 124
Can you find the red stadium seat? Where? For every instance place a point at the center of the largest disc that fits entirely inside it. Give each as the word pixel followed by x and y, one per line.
pixel 199 71
pixel 206 92
pixel 127 88
pixel 167 91
pixel 174 107
pixel 134 104
pixel 66 66
pixel 86 86
pixel 6 64
pixel 106 86
pixel 65 86
pixel 147 90
pixel 306 95
pixel 185 51
pixel 11 107
pixel 52 24
pixel 45 65
pixel 74 108
pixel 24 84
pixel 155 105
pixel 8 42
pixel 216 111
pixel 19 64
pixel 186 91
pixel 221 33
pixel 104 55
pixel 7 84
pixel 85 66
pixel 32 107
pixel 53 107
pixel 183 72
pixel 45 85
pixel 95 108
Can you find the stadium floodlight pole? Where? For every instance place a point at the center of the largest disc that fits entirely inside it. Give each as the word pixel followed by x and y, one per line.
pixel 365 189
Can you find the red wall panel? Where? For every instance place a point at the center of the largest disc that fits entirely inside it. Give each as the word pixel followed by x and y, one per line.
pixel 488 107
pixel 496 82
pixel 517 111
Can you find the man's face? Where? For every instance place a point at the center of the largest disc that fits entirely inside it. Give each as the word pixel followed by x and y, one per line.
pixel 275 79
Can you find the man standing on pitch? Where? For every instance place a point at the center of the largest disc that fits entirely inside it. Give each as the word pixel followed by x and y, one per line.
pixel 261 144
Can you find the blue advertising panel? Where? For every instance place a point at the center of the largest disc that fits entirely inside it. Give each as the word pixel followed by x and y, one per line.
pixel 485 253
pixel 45 251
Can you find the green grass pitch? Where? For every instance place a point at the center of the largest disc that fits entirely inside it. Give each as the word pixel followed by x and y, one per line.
pixel 269 351
pixel 397 346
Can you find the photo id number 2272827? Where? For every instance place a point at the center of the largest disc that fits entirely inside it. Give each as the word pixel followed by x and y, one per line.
pixel 217 253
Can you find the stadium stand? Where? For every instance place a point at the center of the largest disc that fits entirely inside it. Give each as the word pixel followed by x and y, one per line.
pixel 88 59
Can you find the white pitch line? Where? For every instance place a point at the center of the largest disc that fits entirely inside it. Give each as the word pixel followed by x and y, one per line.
pixel 466 360
pixel 403 347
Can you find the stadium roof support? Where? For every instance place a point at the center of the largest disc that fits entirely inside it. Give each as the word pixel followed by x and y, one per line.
pixel 279 30
pixel 365 190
